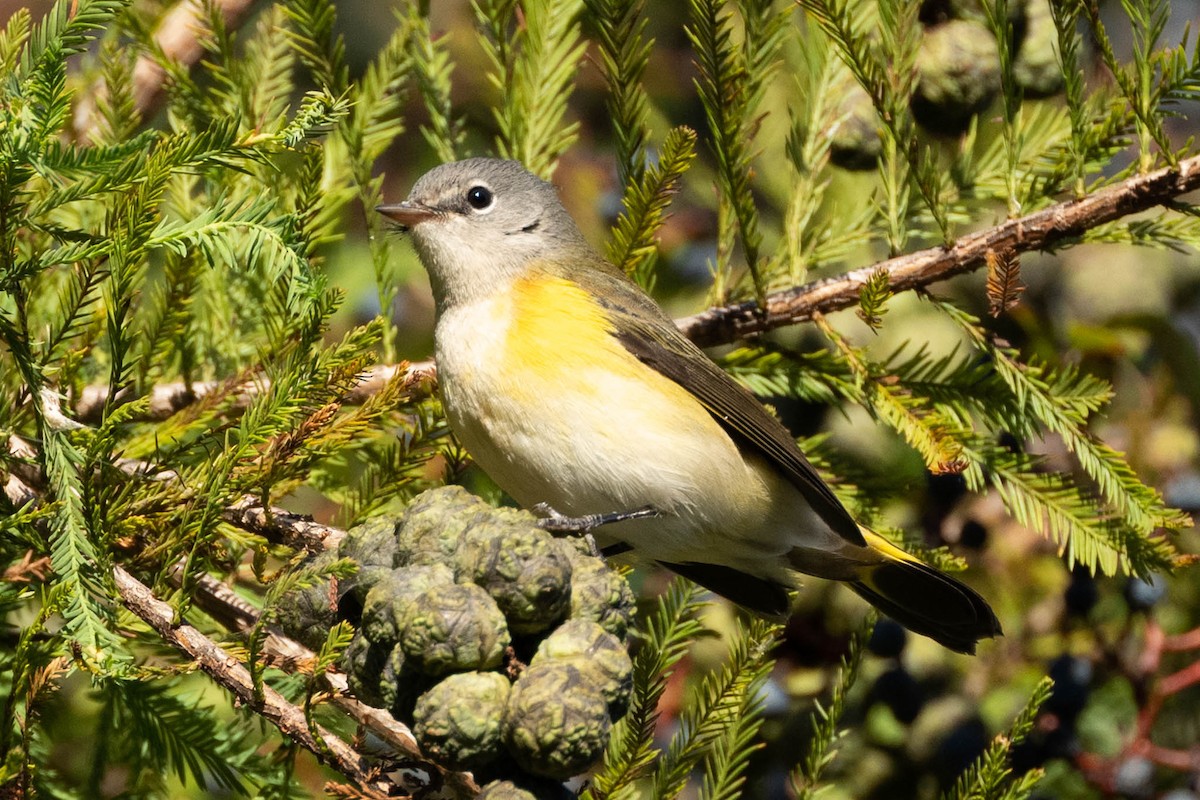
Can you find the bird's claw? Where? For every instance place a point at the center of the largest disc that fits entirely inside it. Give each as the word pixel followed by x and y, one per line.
pixel 556 522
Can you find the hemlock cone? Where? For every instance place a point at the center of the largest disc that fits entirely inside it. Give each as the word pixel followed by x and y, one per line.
pixel 371 545
pixel 599 593
pixel 434 523
pixel 958 76
pixel 457 722
pixel 556 723
pixel 448 587
pixel 389 599
pixel 521 567
pixel 454 629
pixel 596 652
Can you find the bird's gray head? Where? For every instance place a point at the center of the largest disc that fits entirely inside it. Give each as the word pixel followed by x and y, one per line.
pixel 482 222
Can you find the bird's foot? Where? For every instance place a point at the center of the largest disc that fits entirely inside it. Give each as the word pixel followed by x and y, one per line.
pixel 555 522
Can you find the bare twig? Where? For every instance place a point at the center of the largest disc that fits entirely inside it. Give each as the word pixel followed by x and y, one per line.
pixel 229 672
pixel 277 525
pixel 1101 771
pixel 167 398
pixel 1038 231
pixel 1041 230
pixel 224 605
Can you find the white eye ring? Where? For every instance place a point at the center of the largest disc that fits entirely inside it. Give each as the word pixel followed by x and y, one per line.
pixel 480 198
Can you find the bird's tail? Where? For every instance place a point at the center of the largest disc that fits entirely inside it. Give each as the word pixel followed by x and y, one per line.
pixel 923 599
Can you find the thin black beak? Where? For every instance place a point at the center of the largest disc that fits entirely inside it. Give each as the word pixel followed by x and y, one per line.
pixel 407 214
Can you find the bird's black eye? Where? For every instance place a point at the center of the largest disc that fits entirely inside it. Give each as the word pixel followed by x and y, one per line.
pixel 479 197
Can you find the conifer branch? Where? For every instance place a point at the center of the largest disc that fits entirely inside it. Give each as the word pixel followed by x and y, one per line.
pixel 633 245
pixel 166 399
pixel 620 27
pixel 632 749
pixel 224 605
pixel 534 68
pixel 730 86
pixel 1042 230
pixel 822 749
pixel 1066 19
pixel 230 673
pixel 718 701
pixel 177 39
pixel 432 65
pixel 991 775
pixel 229 609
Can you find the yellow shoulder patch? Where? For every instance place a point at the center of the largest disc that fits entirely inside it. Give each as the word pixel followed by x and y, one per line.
pixel 556 320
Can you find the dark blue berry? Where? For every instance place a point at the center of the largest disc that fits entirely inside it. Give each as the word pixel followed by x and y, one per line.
pixel 974 535
pixel 900 692
pixel 1072 683
pixel 888 638
pixel 1081 594
pixel 1062 742
pixel 946 488
pixel 1026 755
pixel 959 749
pixel 1143 594
pixel 1134 779
pixel 1041 746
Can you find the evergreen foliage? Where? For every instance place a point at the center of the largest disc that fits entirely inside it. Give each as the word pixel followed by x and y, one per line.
pixel 189 253
pixel 806 778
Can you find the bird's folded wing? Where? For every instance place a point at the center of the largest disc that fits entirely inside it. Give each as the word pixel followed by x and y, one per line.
pixel 646 332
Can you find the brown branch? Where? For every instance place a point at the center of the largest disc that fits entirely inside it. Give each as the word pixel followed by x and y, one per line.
pixel 1142 669
pixel 167 398
pixel 229 672
pixel 229 609
pixel 1040 230
pixel 283 527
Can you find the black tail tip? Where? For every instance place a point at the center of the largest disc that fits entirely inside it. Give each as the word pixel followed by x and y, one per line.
pixel 933 604
pixel 960 637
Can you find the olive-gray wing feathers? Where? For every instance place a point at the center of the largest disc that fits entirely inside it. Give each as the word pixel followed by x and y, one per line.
pixel 646 332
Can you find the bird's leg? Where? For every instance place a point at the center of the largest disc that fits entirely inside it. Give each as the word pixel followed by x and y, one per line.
pixel 555 522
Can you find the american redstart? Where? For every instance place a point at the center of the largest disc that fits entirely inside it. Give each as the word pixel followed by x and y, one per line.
pixel 572 388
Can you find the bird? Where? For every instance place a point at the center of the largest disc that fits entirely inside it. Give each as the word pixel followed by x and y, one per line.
pixel 574 390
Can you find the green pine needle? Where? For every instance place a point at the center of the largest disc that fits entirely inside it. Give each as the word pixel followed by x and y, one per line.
pixel 633 245
pixel 667 634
